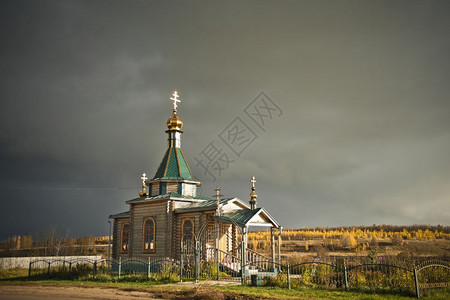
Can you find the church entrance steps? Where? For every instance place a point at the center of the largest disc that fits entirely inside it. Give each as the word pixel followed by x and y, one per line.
pixel 258 260
pixel 256 263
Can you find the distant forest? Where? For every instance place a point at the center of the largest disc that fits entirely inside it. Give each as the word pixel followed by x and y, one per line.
pixel 52 243
pixel 424 240
pixel 378 231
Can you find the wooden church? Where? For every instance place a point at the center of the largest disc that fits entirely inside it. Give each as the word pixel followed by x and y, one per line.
pixel 170 217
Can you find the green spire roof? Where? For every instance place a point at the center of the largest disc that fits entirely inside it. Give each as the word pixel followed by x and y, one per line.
pixel 174 166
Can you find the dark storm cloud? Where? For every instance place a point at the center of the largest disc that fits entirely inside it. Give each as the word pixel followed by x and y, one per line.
pixel 364 137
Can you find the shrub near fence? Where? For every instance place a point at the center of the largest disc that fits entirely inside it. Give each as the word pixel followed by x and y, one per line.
pixel 317 274
pixel 157 268
pixel 433 274
pixel 380 277
pixel 71 268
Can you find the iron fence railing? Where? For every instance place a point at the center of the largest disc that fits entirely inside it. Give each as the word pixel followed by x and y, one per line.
pixel 220 265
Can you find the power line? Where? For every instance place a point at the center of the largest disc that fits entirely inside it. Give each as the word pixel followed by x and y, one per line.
pixel 67 188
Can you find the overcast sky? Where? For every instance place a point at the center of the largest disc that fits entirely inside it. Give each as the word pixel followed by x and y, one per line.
pixel 361 134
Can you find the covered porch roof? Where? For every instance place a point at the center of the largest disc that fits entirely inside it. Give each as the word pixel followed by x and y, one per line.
pixel 248 217
pixel 226 204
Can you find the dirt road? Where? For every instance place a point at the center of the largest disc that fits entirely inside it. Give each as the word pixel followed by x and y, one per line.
pixel 25 292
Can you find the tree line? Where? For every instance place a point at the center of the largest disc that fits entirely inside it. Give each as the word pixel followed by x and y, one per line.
pixel 418 232
pixel 49 242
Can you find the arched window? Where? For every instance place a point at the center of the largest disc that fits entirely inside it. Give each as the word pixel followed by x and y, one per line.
pixel 188 232
pixel 149 235
pixel 124 239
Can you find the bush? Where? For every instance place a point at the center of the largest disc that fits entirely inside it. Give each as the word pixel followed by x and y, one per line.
pixel 134 278
pixel 397 239
pixel 275 281
pixel 373 256
pixel 349 241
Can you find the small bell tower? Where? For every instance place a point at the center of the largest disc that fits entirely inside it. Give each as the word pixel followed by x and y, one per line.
pixel 173 174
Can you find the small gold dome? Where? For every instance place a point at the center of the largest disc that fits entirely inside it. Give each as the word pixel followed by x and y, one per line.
pixel 174 122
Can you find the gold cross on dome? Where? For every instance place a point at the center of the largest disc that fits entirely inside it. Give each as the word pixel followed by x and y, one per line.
pixel 253 181
pixel 175 99
pixel 144 178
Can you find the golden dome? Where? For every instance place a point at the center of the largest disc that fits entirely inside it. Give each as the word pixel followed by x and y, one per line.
pixel 174 122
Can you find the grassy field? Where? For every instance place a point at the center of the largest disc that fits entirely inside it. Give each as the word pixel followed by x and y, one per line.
pixel 207 289
pixel 405 242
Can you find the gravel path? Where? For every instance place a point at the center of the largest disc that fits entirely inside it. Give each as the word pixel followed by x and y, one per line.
pixel 24 292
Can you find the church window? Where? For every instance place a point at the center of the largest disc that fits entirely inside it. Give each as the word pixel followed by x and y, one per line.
pixel 162 188
pixel 211 234
pixel 149 235
pixel 124 239
pixel 188 232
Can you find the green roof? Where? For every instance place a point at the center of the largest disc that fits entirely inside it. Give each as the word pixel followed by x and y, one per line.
pixel 168 196
pixel 174 166
pixel 205 205
pixel 176 195
pixel 241 217
pixel 244 216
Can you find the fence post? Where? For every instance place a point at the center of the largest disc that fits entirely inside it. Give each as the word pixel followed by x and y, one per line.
pixel 181 261
pixel 289 276
pixel 148 268
pixel 217 262
pixel 197 261
pixel 120 265
pixel 242 263
pixel 29 269
pixel 48 271
pixel 70 266
pixel 345 278
pixel 416 281
pixel 95 268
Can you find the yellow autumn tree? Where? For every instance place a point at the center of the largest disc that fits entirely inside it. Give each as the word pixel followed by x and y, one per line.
pixel 348 240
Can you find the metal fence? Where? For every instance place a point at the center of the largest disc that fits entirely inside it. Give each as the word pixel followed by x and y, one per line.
pixel 375 277
pixel 23 262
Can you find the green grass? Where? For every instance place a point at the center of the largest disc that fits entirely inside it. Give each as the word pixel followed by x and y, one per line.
pixel 203 291
pixel 13 273
pixel 317 293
